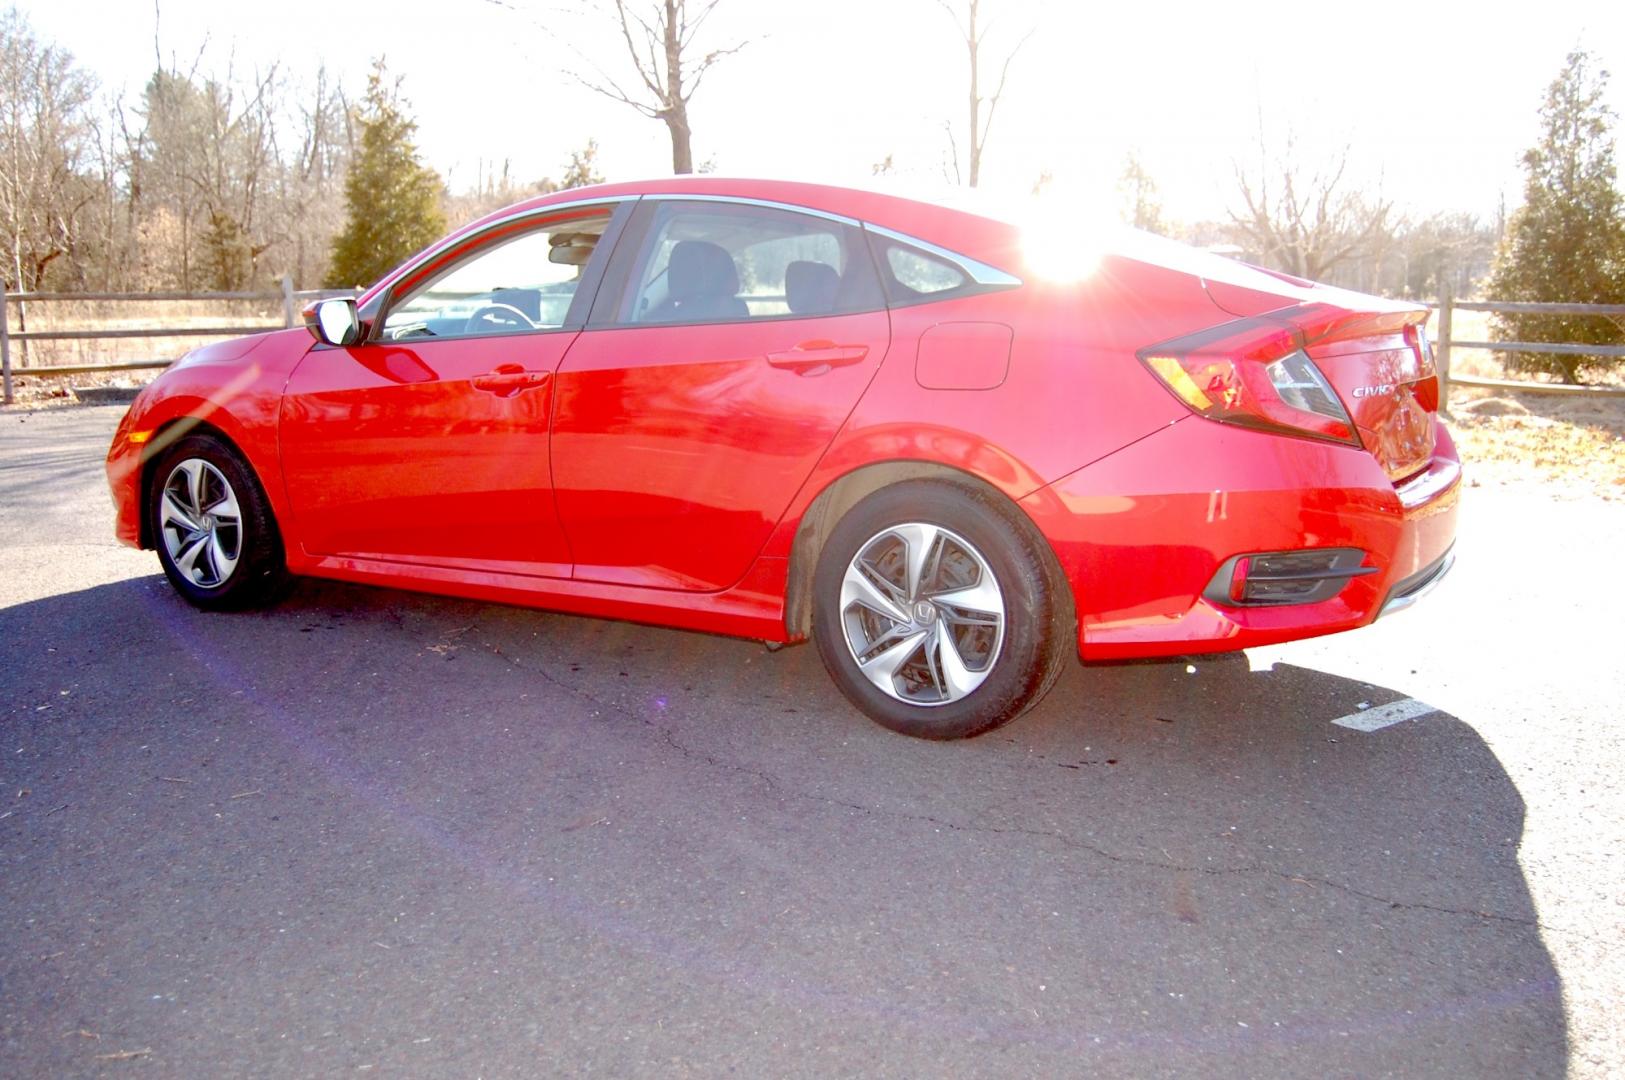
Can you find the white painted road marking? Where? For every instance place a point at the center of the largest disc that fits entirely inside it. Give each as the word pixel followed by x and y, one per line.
pixel 1385 715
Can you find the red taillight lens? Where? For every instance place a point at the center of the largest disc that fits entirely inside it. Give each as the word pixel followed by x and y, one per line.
pixel 1416 336
pixel 1252 373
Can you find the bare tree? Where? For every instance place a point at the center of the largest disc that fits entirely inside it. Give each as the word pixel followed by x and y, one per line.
pixel 204 161
pixel 1445 251
pixel 45 145
pixel 202 180
pixel 307 200
pixel 1301 218
pixel 661 41
pixel 975 35
pixel 1141 206
pixel 582 170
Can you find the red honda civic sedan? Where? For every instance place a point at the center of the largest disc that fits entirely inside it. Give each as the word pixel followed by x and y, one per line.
pixel 780 411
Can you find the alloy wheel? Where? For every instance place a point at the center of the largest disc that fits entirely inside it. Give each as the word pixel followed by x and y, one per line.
pixel 922 614
pixel 201 523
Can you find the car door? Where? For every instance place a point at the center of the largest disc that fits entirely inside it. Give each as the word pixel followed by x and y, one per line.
pixel 428 442
pixel 729 345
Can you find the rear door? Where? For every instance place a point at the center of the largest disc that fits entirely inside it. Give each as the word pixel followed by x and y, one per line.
pixel 727 348
pixel 428 442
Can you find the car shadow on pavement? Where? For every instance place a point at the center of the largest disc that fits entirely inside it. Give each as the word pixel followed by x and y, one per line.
pixel 348 812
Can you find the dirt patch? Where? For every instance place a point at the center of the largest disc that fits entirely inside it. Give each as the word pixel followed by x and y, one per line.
pixel 36 390
pixel 1574 448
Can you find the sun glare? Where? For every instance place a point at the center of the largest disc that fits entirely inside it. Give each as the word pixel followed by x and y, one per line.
pixel 1065 232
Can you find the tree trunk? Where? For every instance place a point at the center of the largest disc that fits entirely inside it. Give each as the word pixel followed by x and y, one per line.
pixel 676 111
pixel 975 150
pixel 682 154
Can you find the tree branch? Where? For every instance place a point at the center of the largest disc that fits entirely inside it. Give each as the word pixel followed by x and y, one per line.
pixel 706 64
pixel 998 92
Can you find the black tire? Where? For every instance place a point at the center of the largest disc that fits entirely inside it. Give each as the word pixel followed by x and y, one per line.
pixel 199 562
pixel 1016 673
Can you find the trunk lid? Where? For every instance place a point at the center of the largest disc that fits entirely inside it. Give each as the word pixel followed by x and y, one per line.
pixel 1372 350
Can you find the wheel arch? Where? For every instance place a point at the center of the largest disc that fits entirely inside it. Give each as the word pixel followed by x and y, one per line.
pixel 166 435
pixel 838 498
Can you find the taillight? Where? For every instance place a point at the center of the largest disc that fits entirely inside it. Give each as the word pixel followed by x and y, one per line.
pixel 1416 336
pixel 1253 373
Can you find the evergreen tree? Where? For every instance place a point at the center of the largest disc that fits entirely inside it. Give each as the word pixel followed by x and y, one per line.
pixel 1566 244
pixel 393 199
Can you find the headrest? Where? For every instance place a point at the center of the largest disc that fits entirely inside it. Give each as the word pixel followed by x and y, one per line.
pixel 700 269
pixel 810 287
pixel 528 301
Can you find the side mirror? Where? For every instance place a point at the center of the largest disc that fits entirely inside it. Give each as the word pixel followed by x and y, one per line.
pixel 334 322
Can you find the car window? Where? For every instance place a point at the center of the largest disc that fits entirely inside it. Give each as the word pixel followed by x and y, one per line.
pixel 719 262
pixel 516 285
pixel 922 273
pixel 914 275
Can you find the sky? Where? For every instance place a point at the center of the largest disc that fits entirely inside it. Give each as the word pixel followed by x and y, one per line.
pixel 1434 102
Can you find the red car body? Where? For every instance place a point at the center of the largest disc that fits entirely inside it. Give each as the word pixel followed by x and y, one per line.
pixel 681 475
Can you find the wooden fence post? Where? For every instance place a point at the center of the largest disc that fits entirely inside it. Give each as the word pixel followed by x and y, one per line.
pixel 5 346
pixel 1441 349
pixel 287 301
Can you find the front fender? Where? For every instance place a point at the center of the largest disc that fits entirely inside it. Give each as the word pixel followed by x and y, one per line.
pixel 233 388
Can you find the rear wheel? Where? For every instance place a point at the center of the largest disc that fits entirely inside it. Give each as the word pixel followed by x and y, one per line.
pixel 213 528
pixel 935 613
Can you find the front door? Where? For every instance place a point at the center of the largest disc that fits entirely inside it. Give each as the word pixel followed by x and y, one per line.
pixel 707 386
pixel 428 443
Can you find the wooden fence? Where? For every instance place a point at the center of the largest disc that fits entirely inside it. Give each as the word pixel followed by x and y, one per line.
pixel 287 294
pixel 290 297
pixel 1445 341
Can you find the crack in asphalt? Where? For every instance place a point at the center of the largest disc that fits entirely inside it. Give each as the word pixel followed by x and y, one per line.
pixel 775 784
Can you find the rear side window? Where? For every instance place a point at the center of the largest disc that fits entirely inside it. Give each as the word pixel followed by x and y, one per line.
pixel 922 274
pixel 916 272
pixel 706 262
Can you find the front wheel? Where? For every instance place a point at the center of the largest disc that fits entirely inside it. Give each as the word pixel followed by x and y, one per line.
pixel 934 612
pixel 213 528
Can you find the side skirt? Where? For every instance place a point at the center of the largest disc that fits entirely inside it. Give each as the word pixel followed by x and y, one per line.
pixel 753 608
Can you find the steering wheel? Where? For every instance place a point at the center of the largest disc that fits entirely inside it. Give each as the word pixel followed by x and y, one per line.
pixel 493 318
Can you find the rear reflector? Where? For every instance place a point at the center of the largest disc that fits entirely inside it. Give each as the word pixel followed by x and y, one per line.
pixel 1279 578
pixel 1238 580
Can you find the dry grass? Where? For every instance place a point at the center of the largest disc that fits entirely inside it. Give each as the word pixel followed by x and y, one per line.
pixel 35 386
pixel 130 315
pixel 1576 447
pixel 1573 446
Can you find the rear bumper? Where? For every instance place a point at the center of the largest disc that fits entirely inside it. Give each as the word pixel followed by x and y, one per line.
pixel 1140 535
pixel 1419 584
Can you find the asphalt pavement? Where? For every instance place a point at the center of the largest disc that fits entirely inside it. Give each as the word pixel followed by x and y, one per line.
pixel 376 833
